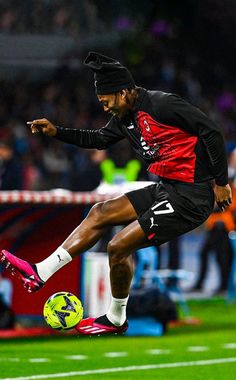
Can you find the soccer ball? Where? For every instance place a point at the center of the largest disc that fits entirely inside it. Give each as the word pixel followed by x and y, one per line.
pixel 62 311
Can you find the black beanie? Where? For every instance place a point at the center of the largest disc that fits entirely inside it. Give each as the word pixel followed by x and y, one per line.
pixel 109 75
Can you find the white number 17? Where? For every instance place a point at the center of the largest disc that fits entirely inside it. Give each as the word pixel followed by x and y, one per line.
pixel 167 210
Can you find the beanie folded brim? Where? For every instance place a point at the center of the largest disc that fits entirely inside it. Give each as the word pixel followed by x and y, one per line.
pixel 110 76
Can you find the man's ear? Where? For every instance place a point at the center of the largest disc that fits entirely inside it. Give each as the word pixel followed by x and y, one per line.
pixel 123 93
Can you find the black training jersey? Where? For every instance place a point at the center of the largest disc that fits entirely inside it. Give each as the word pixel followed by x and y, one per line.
pixel 176 139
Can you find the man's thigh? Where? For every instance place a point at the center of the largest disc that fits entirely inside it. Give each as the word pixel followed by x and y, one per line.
pixel 128 240
pixel 116 211
pixel 158 217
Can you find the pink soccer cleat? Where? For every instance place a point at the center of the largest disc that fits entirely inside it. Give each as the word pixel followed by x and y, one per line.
pixel 26 272
pixel 100 326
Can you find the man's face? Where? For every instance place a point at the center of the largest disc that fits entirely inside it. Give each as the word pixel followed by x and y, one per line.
pixel 115 104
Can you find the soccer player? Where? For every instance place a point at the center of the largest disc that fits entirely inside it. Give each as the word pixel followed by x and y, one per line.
pixel 181 145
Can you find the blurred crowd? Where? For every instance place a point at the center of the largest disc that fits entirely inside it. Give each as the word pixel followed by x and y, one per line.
pixel 60 17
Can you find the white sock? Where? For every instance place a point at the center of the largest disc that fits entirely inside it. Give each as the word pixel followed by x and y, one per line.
pixel 117 311
pixel 53 263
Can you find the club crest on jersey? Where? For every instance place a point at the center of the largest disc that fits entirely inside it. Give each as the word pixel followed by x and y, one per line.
pixel 147 126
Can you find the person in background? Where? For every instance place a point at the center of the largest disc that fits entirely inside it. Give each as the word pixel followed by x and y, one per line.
pixel 86 174
pixel 217 241
pixel 10 168
pixel 7 318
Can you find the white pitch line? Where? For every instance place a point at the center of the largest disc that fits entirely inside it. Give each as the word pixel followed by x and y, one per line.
pixel 39 360
pixel 198 348
pixel 115 354
pixel 229 346
pixel 158 352
pixel 126 369
pixel 76 357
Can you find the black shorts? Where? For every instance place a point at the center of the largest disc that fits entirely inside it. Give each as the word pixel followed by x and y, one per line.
pixel 169 209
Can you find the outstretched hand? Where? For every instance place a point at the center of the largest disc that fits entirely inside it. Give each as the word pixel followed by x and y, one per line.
pixel 223 196
pixel 42 125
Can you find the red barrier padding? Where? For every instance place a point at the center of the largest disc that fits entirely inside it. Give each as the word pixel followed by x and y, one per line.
pixel 32 226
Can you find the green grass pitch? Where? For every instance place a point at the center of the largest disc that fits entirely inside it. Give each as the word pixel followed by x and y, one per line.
pixel 205 352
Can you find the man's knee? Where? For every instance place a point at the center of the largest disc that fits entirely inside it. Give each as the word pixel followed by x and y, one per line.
pixel 116 251
pixel 100 213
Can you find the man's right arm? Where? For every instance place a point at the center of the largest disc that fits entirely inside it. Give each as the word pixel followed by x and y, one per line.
pixel 94 139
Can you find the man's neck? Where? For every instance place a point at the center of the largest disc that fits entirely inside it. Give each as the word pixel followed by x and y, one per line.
pixel 133 97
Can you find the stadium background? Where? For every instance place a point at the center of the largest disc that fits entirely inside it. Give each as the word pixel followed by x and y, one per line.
pixel 185 47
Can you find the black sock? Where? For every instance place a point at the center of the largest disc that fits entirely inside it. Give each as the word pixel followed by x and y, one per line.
pixel 35 269
pixel 104 321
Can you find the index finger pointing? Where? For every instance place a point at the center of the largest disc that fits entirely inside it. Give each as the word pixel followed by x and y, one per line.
pixel 37 121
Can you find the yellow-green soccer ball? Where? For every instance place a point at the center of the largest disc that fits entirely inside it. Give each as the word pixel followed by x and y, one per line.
pixel 62 311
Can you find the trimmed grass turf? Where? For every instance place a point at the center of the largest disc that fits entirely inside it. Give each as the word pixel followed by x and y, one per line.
pixel 218 328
